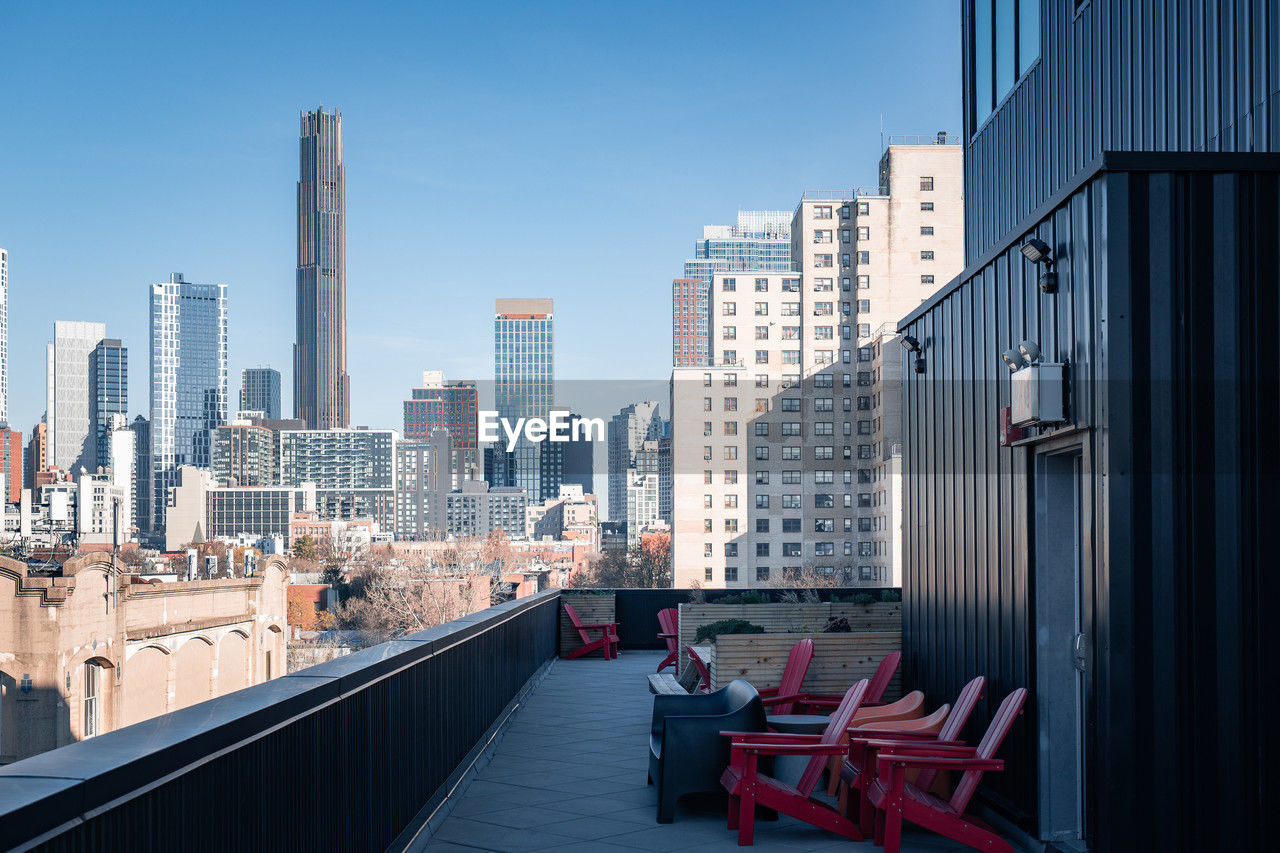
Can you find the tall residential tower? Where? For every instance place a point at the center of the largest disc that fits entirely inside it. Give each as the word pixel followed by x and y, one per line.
pixel 260 391
pixel 67 392
pixel 4 336
pixel 321 393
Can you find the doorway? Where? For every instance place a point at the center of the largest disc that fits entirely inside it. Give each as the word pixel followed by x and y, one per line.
pixel 1064 647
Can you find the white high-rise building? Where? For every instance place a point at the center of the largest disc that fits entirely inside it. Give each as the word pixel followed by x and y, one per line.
pixel 67 393
pixel 634 425
pixel 785 448
pixel 4 336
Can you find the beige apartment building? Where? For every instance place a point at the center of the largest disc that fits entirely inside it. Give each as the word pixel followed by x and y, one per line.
pixel 783 449
pixel 94 649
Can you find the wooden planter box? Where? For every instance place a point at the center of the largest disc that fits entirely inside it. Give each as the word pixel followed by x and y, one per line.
pixel 839 660
pixel 784 618
pixel 592 610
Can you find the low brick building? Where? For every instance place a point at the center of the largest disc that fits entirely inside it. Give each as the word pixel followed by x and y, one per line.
pixel 95 649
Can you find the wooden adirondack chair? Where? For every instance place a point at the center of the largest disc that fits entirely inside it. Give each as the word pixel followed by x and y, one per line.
pixel 781 699
pixel 669 621
pixel 908 708
pixel 857 771
pixel 748 787
pixel 608 640
pixel 895 799
pixel 704 675
pixel 879 683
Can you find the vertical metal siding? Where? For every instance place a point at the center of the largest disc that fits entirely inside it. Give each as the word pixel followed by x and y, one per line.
pixel 1123 75
pixel 1168 314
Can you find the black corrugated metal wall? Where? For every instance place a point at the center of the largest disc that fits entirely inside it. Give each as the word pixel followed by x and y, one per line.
pixel 1122 75
pixel 1168 315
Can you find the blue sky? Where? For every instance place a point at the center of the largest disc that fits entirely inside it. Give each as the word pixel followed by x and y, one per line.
pixel 492 150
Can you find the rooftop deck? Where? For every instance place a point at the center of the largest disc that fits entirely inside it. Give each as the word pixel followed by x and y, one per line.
pixel 568 774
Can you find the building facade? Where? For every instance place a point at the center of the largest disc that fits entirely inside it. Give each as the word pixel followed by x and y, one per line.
pixel 67 407
pixel 37 455
pixel 244 454
pixel 142 482
pixel 108 395
pixel 476 510
pixel 4 336
pixel 423 481
pixel 11 454
pixel 524 380
pixel 353 471
pixel 321 389
pixel 1110 550
pixel 450 405
pixel 94 648
pixel 188 380
pixel 260 391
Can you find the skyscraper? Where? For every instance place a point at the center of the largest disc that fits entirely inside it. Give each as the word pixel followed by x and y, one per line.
pixel 67 392
pixel 141 428
pixel 450 405
pixel 188 380
pixel 524 379
pixel 321 394
pixel 108 395
pixel 260 391
pixel 4 336
pixel 628 431
pixel 761 240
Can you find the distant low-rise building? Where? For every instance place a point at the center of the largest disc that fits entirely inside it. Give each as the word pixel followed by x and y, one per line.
pixel 570 516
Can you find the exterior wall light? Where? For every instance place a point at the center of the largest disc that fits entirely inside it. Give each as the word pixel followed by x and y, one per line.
pixel 1039 392
pixel 1039 252
pixel 910 344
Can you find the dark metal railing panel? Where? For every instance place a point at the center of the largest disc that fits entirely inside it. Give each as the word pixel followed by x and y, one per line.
pixel 341 755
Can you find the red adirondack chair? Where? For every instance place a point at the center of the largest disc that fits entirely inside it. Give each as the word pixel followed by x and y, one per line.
pixel 704 675
pixel 608 639
pixel 857 771
pixel 748 787
pixel 895 799
pixel 669 622
pixel 907 709
pixel 782 699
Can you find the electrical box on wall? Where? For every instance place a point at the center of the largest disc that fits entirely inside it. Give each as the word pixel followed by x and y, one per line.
pixel 1039 395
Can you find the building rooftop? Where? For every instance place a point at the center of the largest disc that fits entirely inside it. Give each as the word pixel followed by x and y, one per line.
pixel 569 775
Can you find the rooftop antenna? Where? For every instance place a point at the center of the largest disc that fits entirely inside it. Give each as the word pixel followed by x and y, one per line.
pixel 882 131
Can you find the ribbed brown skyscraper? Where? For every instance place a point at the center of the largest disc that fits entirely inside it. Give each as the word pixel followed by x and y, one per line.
pixel 321 394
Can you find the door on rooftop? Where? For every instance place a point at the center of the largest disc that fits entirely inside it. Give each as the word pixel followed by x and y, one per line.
pixel 1064 594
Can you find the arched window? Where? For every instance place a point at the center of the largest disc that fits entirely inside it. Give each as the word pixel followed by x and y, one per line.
pixel 92 697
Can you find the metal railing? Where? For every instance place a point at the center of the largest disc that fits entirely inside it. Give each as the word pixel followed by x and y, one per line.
pixel 939 138
pixel 347 755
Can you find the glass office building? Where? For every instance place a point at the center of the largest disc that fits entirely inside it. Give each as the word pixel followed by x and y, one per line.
pixel 260 391
pixel 760 241
pixel 108 394
pixel 524 382
pixel 188 380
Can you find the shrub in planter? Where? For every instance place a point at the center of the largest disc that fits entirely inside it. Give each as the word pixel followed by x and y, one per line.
pixel 837 625
pixel 748 597
pixel 864 598
pixel 891 595
pixel 709 632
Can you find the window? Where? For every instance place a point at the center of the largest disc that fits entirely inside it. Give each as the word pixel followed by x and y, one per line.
pixel 762 451
pixel 864 306
pixel 791 428
pixel 706 452
pixel 926 255
pixel 762 478
pixel 706 525
pixel 824 549
pixel 729 333
pixel 824 525
pixel 731 525
pixel 729 309
pixel 762 573
pixel 730 427
pixel 729 285
pixel 791 285
pixel 762 309
pixel 731 477
pixel 926 279
pixel 762 427
pixel 762 549
pixel 864 232
pixel 864 549
pixel 790 404
pixel 845 235
pixel 822 236
pixel 844 211
pixel 791 502
pixel 823 261
pixel 926 183
pixel 926 205
pixel 864 427
pixel 791 356
pixel 791 333
pixel 823 380
pixel 706 501
pixel 824 478
pixel 864 378
pixel 823 285
pixel 730 573
pixel 762 501
pixel 824 451
pixel 731 404
pixel 706 380
pixel 729 356
pixel 707 574
pixel 864 257
pixel 823 309
pixel 844 284
pixel 864 208
pixel 824 501
pixel 926 230
pixel 791 453
pixel 706 476
pixel 823 428
pixel 762 285
pixel 824 404
pixel 762 405
pixel 790 525
pixel 864 330
pixel 762 525
pixel 864 451
pixel 864 354
pixel 730 380
pixel 730 454
pixel 706 404
pixel 864 281
pixel 92 692
pixel 762 380
pixel 706 427
pixel 822 211
pixel 791 549
pixel 730 501
pixel 1005 42
pixel 791 309
pixel 762 333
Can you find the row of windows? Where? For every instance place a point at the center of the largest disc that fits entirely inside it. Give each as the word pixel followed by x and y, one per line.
pixel 864 573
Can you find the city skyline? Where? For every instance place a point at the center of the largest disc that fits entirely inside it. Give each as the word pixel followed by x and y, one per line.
pixel 412 243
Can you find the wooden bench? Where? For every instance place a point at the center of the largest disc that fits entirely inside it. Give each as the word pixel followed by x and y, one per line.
pixel 665 684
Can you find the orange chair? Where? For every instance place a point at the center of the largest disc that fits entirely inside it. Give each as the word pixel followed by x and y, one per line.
pixel 907 709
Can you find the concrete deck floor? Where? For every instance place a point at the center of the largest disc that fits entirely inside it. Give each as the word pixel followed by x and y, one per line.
pixel 569 775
